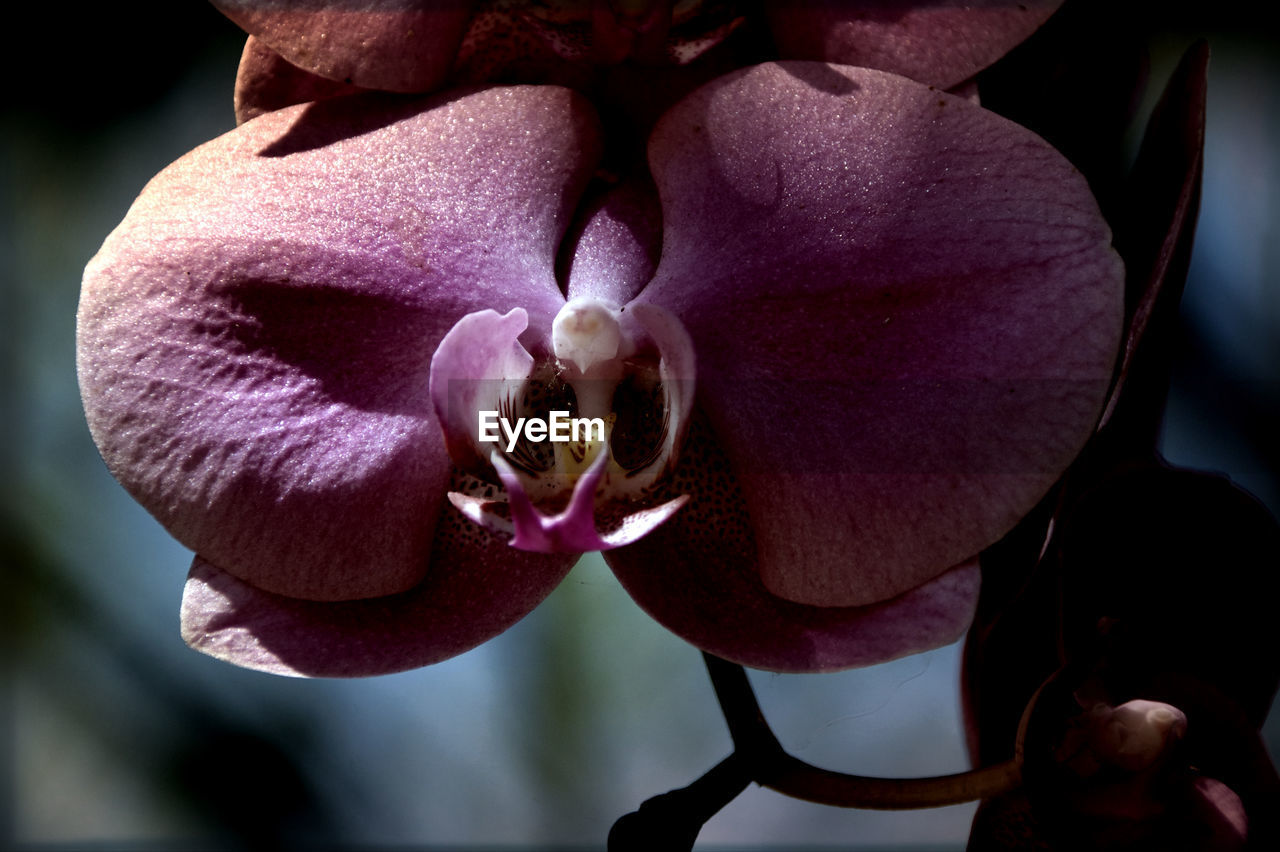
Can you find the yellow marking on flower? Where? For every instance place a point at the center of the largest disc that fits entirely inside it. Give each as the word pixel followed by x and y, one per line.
pixel 573 458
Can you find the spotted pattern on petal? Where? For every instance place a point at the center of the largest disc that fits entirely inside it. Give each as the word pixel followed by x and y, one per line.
pixel 723 526
pixel 487 498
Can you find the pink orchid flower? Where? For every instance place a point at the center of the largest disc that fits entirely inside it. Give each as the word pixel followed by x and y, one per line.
pixel 858 332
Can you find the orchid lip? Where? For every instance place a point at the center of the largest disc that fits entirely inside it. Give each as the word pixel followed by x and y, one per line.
pixel 579 438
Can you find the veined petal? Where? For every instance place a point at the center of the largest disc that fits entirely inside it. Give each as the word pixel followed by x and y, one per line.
pixel 698 576
pixel 724 609
pixel 396 45
pixel 477 588
pixel 906 310
pixel 254 340
pixel 937 42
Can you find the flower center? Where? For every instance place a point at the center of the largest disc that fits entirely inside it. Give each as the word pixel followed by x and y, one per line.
pixel 609 386
pixel 586 332
pixel 579 438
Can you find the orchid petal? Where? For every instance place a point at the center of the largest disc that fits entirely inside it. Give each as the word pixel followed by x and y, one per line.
pixel 266 82
pixel 565 42
pixel 905 309
pixel 937 42
pixel 478 588
pixel 697 576
pixel 614 251
pixel 395 45
pixel 255 338
pixel 476 362
pixel 678 371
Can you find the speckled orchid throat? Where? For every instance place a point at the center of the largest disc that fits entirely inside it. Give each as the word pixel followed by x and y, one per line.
pixel 620 384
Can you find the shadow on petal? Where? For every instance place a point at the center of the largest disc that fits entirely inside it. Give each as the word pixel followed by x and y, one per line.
pixel 322 123
pixel 475 588
pixel 697 575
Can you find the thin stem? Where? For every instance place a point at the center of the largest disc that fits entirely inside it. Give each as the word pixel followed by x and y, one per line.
pixel 800 780
pixel 779 771
pixel 747 726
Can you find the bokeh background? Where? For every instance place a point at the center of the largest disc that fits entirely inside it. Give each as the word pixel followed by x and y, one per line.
pixel 113 734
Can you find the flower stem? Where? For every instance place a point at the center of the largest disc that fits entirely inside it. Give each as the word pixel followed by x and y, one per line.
pixel 672 820
pixel 771 766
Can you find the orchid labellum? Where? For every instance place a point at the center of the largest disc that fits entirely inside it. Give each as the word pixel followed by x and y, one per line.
pixel 858 331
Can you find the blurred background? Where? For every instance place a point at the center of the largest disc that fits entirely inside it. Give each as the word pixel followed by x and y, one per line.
pixel 114 735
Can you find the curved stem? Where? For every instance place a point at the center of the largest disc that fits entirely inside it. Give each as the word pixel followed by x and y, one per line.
pixel 800 780
pixel 777 770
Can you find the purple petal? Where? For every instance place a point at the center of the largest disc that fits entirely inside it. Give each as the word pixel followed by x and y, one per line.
pixel 678 369
pixel 905 308
pixel 614 251
pixel 266 82
pixel 475 363
pixel 500 44
pixel 396 45
pixel 1217 807
pixel 698 576
pixel 565 42
pixel 255 338
pixel 478 588
pixel 937 42
pixel 572 530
